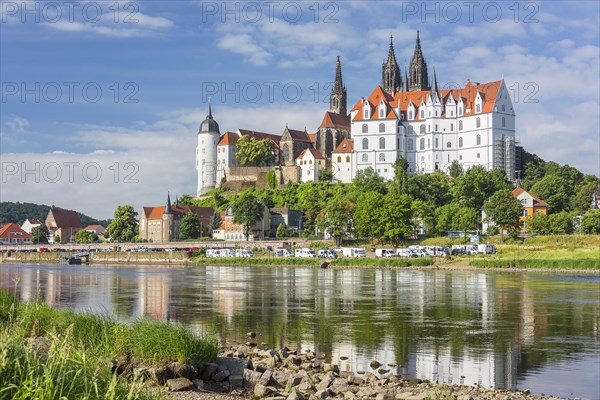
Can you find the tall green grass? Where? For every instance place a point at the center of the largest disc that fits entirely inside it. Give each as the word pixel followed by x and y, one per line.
pixel 47 353
pixel 591 264
pixel 383 262
pixel 313 262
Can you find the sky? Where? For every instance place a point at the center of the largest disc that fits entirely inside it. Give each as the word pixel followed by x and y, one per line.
pixel 101 100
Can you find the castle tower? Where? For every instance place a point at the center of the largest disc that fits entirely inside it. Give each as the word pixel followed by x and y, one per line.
pixel 206 153
pixel 337 99
pixel 417 76
pixel 168 221
pixel 391 80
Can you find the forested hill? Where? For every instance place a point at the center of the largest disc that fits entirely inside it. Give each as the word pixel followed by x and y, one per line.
pixel 19 212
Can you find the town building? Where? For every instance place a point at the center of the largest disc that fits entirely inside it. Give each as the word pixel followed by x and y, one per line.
pixel 30 223
pixel 99 230
pixel 531 205
pixel 311 163
pixel 62 223
pixel 161 224
pixel 232 231
pixel 291 218
pixel 11 233
pixel 342 168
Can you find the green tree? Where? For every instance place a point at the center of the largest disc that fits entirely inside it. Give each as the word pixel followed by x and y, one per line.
pixel 504 209
pixel 336 219
pixel 395 218
pixel 432 188
pixel 124 226
pixel 473 187
pixel 282 231
pixel 590 222
pixel 465 219
pixel 538 224
pixel 367 180
pixel 561 223
pixel 248 211
pixel 582 199
pixel 215 221
pixel 86 237
pixel 455 169
pixel 325 176
pixel 255 152
pixel 190 227
pixel 422 213
pixel 272 180
pixel 398 185
pixel 56 238
pixel 366 215
pixel 554 190
pixel 39 234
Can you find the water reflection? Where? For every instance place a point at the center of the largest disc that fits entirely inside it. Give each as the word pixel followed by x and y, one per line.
pixel 502 330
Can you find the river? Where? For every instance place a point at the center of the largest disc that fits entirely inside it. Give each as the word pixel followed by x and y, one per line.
pixel 502 330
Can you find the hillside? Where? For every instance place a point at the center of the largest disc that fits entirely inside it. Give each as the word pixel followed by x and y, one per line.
pixel 19 212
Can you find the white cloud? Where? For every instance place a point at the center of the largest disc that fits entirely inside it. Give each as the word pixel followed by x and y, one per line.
pixel 243 44
pixel 18 124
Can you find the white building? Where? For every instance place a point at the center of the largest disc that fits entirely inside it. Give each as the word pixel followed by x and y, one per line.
pixel 30 223
pixel 431 128
pixel 206 154
pixel 311 163
pixel 341 162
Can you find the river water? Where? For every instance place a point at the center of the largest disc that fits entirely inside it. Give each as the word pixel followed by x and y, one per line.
pixel 503 330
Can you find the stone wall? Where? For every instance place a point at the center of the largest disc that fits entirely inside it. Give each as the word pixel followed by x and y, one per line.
pixel 245 177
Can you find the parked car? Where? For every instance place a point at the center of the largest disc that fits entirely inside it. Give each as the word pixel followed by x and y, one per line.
pixel 326 253
pixel 384 253
pixel 305 252
pixel 406 253
pixel 283 252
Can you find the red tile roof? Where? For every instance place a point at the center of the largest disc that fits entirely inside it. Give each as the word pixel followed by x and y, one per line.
pixel 65 218
pixel 331 119
pixel 11 230
pixel 260 135
pixel 346 146
pixel 228 138
pixel 300 136
pixel 33 221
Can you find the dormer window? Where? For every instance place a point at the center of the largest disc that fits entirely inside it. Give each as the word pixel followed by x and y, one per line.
pixel 381 113
pixel 410 115
pixel 478 108
pixel 422 113
pixel 366 114
pixel 459 111
pixel 503 107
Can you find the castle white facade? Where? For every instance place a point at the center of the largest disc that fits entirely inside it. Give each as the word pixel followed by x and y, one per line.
pixel 407 117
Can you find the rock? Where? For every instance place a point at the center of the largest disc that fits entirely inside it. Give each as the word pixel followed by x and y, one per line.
pixel 270 362
pixel 260 368
pixel 349 396
pixel 280 378
pixel 295 395
pixel 242 351
pixel 179 384
pixel 251 344
pixel 325 381
pixel 221 375
pixel 253 377
pixel 198 384
pixel 293 360
pixel 326 367
pixel 343 358
pixel 265 378
pixel 325 264
pixel 262 390
pixel 218 387
pixel 236 382
pixel 161 374
pixel 305 387
pixel 251 334
pixel 384 396
pixel 392 365
pixel 383 371
pixel 465 397
pixel 339 386
pixel 322 394
pixel 181 370
pixel 141 372
pixel 336 369
pixel 366 392
pixel 354 379
pixel 229 353
pixel 375 364
pixel 294 380
pixel 369 377
pixel 209 370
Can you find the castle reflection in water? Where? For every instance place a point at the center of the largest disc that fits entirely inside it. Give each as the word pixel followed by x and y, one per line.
pixel 467 327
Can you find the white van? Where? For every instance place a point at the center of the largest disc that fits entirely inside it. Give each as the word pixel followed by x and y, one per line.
pixel 384 253
pixel 326 253
pixel 282 252
pixel 406 253
pixel 354 252
pixel 486 249
pixel 226 252
pixel 245 253
pixel 305 252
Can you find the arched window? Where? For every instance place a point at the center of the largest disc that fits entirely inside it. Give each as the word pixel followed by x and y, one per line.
pixel 437 143
pixel 422 128
pixel 422 144
pixel 460 125
pixel 448 144
pixel 382 127
pixel 347 159
pixel 460 142
pixel 339 159
pixel 410 115
pixel 382 143
pixel 422 113
pixel 365 128
pixel 478 140
pixel 382 157
pixel 451 127
pixel 365 144
pixel 478 122
pixel 503 107
pixel 503 122
pixel 381 112
pixel 478 108
pixel 459 111
pixel 410 144
pixel 478 155
pixel 365 158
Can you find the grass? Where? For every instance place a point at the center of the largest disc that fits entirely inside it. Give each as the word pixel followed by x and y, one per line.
pixel 47 353
pixel 538 263
pixel 313 262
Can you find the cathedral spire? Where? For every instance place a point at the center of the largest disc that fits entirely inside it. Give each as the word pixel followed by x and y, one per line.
pixel 337 99
pixel 405 82
pixel 168 209
pixel 418 79
pixel 391 80
pixel 434 84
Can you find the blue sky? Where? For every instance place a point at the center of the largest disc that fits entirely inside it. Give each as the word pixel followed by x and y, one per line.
pixel 101 101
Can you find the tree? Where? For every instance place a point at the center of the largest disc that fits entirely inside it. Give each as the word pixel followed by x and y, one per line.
pixel 325 176
pixel 282 231
pixel 554 190
pixel 255 152
pixel 39 234
pixel 395 218
pixel 215 221
pixel 465 219
pixel 336 219
pixel 86 237
pixel 366 215
pixel 272 180
pixel 473 187
pixel 367 180
pixel 538 224
pixel 56 238
pixel 561 223
pixel 124 226
pixel 504 209
pixel 590 222
pixel 190 227
pixel 582 199
pixel 431 188
pixel 248 211
pixel 398 185
pixel 455 169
